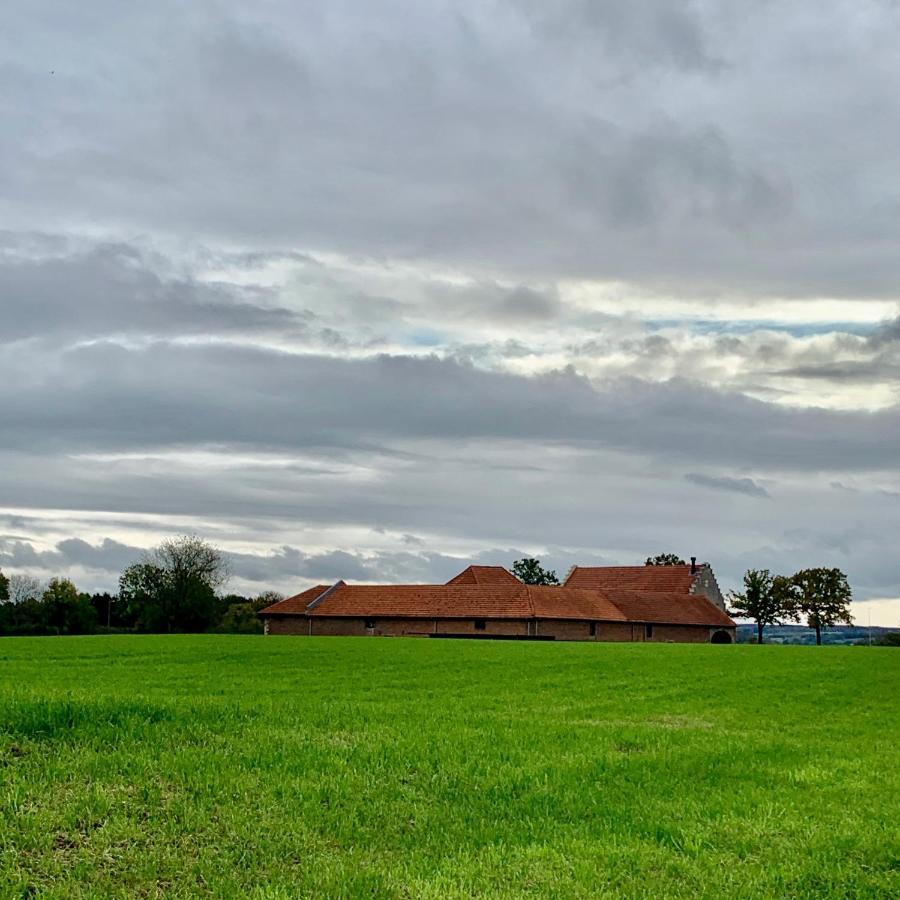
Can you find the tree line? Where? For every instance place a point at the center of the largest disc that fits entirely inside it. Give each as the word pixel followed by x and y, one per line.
pixel 176 588
pixel 173 588
pixel 820 595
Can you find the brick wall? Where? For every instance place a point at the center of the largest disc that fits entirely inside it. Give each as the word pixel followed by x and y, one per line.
pixel 616 631
pixel 565 630
pixel 491 626
pixel 287 625
pixel 560 629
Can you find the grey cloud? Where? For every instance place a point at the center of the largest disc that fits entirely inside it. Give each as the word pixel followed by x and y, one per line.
pixel 459 137
pixel 113 289
pixel 105 395
pixel 669 179
pixel 649 32
pixel 726 483
pixel 108 556
pixel 525 303
pixel 886 334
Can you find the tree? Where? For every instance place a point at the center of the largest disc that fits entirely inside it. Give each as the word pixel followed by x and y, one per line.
pixel 65 611
pixel 530 571
pixel 23 611
pixel 4 587
pixel 765 600
pixel 266 598
pixel 174 587
pixel 823 596
pixel 665 559
pixel 23 588
pixel 240 618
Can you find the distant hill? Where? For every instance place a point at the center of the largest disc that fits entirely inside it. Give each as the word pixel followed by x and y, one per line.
pixel 800 634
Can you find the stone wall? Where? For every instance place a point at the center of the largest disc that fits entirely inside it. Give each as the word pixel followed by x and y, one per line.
pixel 705 583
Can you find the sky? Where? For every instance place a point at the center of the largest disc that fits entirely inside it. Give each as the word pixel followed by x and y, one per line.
pixel 373 290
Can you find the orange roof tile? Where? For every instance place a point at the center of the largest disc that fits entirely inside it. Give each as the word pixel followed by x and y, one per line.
pixel 484 575
pixel 517 601
pixel 491 592
pixel 671 579
pixel 669 608
pixel 295 604
pixel 551 602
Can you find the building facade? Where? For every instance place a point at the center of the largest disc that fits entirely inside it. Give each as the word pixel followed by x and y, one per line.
pixel 636 603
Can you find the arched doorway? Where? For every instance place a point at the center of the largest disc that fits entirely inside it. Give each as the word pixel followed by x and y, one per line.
pixel 720 637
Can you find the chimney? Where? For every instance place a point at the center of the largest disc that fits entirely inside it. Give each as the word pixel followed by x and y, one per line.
pixel 693 565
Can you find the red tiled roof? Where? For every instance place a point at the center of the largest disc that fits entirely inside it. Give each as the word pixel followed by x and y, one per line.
pixel 552 602
pixel 670 579
pixel 669 608
pixel 484 575
pixel 667 601
pixel 517 601
pixel 297 603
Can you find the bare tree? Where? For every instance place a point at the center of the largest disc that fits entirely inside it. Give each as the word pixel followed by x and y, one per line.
pixel 189 556
pixel 24 587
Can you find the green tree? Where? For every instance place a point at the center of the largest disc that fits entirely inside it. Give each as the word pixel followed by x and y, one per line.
pixel 530 571
pixel 4 587
pixel 65 611
pixel 266 598
pixel 767 600
pixel 823 596
pixel 240 618
pixel 665 559
pixel 174 587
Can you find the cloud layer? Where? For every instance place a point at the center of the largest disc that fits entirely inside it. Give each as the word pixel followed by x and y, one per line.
pixel 367 290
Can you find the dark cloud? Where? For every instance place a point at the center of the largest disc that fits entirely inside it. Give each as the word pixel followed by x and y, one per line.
pixel 107 556
pixel 725 483
pixel 113 289
pixel 112 397
pixel 626 140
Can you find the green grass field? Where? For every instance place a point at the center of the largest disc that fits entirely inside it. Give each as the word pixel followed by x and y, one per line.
pixel 280 767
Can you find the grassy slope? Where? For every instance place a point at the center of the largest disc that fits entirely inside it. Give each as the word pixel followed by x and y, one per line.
pixel 244 766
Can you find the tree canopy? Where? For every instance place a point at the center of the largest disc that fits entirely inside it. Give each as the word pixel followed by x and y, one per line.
pixel 766 599
pixel 665 559
pixel 530 571
pixel 823 596
pixel 174 587
pixel 4 587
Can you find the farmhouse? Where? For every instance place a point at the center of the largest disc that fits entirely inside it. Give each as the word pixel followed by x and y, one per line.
pixel 609 603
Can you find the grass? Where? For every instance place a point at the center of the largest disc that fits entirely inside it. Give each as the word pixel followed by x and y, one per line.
pixel 231 766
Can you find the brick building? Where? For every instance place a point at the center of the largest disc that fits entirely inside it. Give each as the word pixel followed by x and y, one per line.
pixel 610 603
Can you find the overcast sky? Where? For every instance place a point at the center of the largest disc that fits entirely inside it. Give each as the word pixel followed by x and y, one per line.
pixel 374 289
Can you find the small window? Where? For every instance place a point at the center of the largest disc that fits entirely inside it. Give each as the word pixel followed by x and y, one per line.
pixel 648 631
pixel 370 623
pixel 593 629
pixel 479 624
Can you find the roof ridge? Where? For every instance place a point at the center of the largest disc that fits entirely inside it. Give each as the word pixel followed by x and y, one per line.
pixel 314 603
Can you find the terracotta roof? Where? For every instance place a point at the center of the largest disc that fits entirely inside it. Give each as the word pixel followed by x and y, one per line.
pixel 484 575
pixel 670 579
pixel 552 602
pixel 297 603
pixel 491 592
pixel 669 608
pixel 517 601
